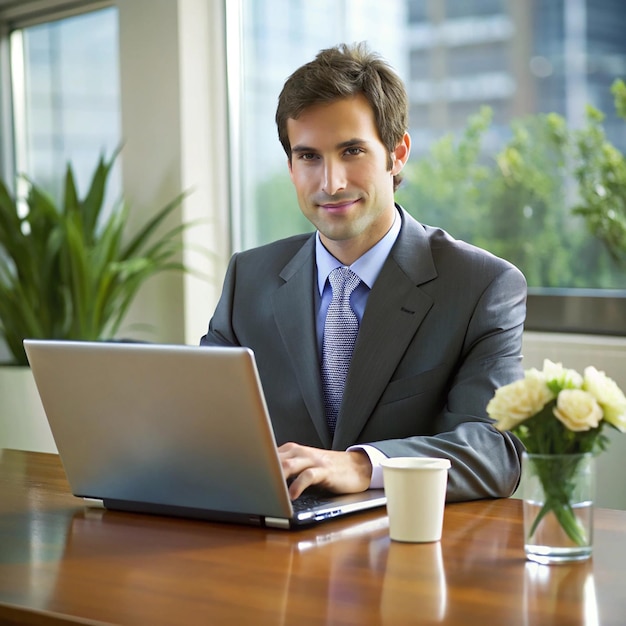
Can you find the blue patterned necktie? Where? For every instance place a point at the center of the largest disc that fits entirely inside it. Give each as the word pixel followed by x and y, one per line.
pixel 340 331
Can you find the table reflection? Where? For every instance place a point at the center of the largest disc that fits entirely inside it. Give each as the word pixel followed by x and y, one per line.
pixel 31 542
pixel 414 584
pixel 566 592
pixel 121 567
pixel 340 568
pixel 364 577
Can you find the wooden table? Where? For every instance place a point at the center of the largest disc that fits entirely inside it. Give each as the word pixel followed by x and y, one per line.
pixel 64 562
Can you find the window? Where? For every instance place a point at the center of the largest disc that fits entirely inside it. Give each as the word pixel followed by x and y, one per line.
pixel 64 83
pixel 472 8
pixel 65 86
pixel 59 93
pixel 278 36
pixel 520 59
pixel 481 58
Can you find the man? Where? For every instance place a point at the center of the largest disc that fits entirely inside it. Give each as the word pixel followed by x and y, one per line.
pixel 439 321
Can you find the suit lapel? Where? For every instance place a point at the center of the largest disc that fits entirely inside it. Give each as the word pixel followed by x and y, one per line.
pixel 294 311
pixel 395 309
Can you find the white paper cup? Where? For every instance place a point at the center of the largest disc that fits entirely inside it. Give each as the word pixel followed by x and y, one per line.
pixel 416 494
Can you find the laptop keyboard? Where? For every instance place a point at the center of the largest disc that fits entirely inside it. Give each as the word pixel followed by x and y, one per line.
pixel 307 501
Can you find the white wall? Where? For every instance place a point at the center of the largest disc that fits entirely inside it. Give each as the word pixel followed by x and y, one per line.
pixel 174 129
pixel 604 353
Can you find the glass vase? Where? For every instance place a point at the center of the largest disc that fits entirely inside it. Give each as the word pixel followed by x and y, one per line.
pixel 557 492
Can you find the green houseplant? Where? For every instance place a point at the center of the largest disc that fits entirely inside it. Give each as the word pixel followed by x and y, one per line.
pixel 70 271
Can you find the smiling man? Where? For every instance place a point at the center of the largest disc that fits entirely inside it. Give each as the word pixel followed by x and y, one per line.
pixel 398 357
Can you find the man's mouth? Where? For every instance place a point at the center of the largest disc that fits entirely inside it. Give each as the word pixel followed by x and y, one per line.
pixel 338 206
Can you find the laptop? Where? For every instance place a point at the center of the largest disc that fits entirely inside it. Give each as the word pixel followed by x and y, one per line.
pixel 171 430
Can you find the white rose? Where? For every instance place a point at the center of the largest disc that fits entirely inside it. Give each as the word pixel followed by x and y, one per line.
pixel 516 402
pixel 609 396
pixel 577 409
pixel 565 378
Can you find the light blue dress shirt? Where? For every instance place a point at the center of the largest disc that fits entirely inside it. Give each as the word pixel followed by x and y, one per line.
pixel 367 268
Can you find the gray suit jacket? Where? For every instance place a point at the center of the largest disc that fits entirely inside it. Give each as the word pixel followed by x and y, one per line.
pixel 442 330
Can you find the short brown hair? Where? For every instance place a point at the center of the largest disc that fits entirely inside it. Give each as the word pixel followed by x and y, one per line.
pixel 342 72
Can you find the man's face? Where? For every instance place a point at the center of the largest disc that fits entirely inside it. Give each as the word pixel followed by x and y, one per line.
pixel 339 167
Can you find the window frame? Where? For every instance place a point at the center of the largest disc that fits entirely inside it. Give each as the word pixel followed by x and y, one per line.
pixel 15 16
pixel 577 311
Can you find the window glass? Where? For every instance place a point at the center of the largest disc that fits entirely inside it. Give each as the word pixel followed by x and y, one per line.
pixel 65 77
pixel 279 36
pixel 495 177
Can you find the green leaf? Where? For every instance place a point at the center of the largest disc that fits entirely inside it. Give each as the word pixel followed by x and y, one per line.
pixel 65 271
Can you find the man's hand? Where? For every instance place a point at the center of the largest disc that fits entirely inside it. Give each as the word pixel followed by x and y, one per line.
pixel 339 472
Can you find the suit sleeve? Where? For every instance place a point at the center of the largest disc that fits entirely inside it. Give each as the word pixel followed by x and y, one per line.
pixel 221 332
pixel 485 462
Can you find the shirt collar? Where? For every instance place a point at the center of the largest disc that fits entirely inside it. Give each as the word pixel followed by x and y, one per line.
pixel 366 267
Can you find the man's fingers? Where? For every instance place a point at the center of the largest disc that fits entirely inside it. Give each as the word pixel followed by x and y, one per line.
pixel 305 479
pixel 294 459
pixel 341 472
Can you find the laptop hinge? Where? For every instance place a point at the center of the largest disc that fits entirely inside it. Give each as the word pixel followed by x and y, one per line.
pixel 277 522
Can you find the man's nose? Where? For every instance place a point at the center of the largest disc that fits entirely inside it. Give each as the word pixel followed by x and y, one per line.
pixel 334 177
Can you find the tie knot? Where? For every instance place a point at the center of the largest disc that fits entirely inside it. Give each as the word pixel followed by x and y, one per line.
pixel 343 281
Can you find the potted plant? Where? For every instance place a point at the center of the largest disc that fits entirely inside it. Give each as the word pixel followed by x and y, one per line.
pixel 70 271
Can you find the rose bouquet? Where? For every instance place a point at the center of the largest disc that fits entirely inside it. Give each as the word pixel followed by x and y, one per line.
pixel 557 411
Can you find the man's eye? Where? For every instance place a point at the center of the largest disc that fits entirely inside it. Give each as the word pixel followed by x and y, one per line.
pixel 354 151
pixel 307 156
